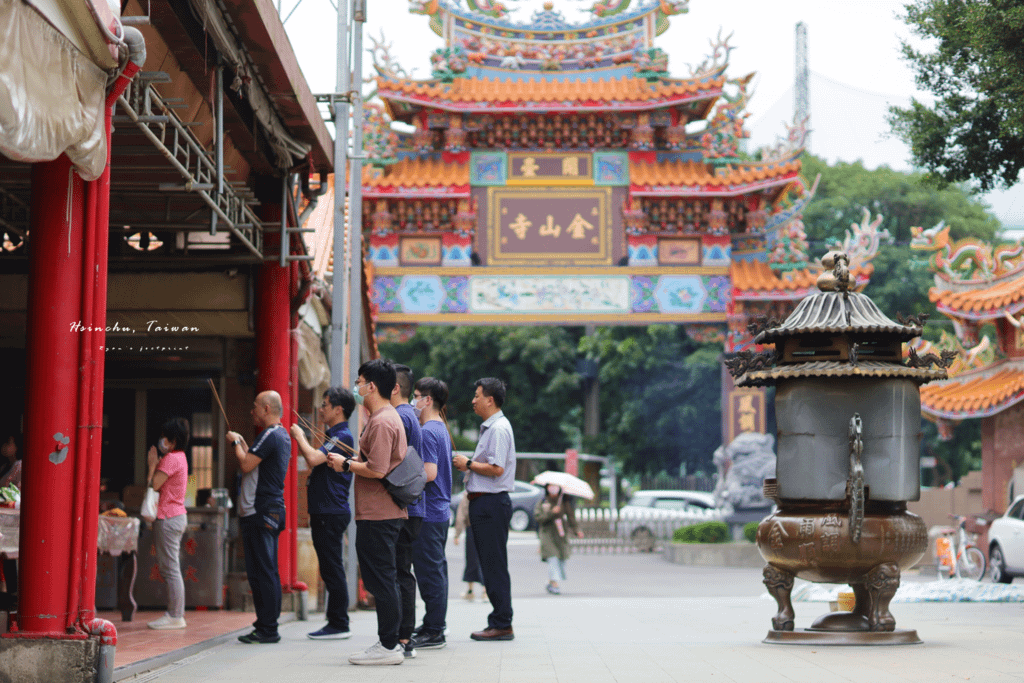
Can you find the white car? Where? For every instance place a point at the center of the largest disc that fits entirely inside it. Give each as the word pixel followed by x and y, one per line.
pixel 653 515
pixel 1006 543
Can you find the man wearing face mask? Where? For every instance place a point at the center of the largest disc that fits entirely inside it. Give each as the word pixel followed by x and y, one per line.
pixel 379 520
pixel 429 398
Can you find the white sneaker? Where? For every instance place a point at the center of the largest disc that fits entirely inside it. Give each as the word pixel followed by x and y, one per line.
pixel 378 655
pixel 167 623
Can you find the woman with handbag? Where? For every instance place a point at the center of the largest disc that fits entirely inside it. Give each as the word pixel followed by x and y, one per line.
pixel 556 518
pixel 168 474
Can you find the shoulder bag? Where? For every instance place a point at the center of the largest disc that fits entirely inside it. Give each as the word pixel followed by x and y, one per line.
pixel 406 481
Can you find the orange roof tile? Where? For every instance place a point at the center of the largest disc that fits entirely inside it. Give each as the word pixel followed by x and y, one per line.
pixel 694 174
pixel 470 93
pixel 980 302
pixel 756 278
pixel 417 174
pixel 976 394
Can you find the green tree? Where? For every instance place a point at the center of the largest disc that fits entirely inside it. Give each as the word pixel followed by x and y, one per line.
pixel 973 65
pixel 537 363
pixel 901 279
pixel 660 398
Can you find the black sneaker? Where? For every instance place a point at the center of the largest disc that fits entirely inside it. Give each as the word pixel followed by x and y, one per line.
pixel 408 649
pixel 428 641
pixel 257 638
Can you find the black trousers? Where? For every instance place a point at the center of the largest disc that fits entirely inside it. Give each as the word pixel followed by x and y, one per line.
pixel 375 548
pixel 328 532
pixel 489 516
pixel 260 545
pixel 406 580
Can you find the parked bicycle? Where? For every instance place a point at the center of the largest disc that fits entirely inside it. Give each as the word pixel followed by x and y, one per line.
pixel 959 556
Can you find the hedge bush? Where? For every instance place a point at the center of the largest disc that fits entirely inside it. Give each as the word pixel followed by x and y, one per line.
pixel 750 531
pixel 705 532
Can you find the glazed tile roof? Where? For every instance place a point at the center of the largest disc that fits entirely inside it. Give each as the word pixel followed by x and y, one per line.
pixel 477 93
pixel 980 302
pixel 689 174
pixel 755 280
pixel 410 177
pixel 976 394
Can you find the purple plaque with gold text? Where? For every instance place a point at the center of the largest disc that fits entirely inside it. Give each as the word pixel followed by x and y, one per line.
pixel 551 226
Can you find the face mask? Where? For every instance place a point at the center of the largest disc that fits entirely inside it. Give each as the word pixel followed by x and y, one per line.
pixel 416 410
pixel 163 445
pixel 355 394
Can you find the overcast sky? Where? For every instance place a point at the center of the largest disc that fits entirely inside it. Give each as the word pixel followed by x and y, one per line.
pixel 853 49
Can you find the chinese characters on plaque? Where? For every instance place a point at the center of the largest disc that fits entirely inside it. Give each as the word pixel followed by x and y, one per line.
pixel 746 412
pixel 555 226
pixel 550 168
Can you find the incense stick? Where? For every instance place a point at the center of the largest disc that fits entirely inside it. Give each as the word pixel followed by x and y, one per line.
pixel 227 422
pixel 322 435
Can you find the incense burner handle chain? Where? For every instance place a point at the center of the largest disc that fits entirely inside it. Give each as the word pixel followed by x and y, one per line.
pixel 855 483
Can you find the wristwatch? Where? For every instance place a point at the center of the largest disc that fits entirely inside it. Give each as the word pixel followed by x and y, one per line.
pixel 236 442
pixel 345 466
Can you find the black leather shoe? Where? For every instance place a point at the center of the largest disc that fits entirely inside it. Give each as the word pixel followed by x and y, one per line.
pixel 493 634
pixel 256 638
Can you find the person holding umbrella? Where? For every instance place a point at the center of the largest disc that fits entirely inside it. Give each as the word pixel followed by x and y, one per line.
pixel 556 519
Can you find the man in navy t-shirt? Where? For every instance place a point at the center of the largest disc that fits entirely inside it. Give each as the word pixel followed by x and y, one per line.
pixel 428 399
pixel 329 512
pixel 411 528
pixel 261 511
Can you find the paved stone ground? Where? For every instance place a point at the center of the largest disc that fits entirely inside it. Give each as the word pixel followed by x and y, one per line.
pixel 635 618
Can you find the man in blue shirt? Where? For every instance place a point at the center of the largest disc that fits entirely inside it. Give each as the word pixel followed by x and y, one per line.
pixel 329 512
pixel 428 399
pixel 261 511
pixel 411 527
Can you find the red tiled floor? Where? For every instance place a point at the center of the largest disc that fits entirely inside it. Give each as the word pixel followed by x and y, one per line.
pixel 136 641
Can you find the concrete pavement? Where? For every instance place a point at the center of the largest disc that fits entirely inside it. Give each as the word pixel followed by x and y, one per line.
pixel 635 618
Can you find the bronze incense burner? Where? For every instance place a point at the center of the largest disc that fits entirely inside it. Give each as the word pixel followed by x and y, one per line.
pixel 848 412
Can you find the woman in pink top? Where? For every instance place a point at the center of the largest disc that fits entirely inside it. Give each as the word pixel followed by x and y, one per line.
pixel 168 474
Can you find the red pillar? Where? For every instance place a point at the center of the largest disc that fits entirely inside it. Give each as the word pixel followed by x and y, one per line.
pixel 51 392
pixel 292 481
pixel 273 363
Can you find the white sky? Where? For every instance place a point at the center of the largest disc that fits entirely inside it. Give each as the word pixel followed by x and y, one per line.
pixel 853 48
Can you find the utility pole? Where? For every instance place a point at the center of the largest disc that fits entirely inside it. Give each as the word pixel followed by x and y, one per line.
pixel 801 94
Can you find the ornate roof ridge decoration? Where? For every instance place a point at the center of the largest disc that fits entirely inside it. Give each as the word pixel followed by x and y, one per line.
pixel 976 393
pixel 715 63
pixel 494 14
pixel 474 94
pixel 968 263
pixel 792 145
pixel 676 173
pixel 978 357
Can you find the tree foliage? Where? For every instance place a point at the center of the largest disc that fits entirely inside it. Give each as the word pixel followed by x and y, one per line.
pixel 901 279
pixel 660 398
pixel 537 363
pixel 975 130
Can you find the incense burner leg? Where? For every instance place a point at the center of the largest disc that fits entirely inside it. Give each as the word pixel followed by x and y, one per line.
pixel 780 586
pixel 881 584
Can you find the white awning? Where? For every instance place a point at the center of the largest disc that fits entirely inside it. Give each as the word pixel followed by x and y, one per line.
pixel 51 93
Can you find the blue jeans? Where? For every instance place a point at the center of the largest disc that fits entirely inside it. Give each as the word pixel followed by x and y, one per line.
pixel 431 566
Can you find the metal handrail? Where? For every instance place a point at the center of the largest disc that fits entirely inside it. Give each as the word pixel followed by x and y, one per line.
pixel 156 119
